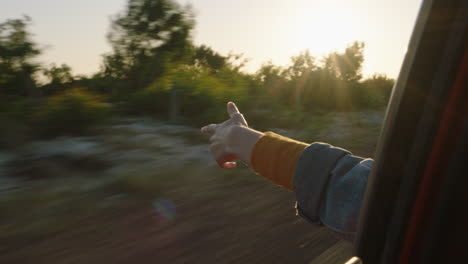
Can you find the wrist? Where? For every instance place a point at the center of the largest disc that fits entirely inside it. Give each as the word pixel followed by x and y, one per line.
pixel 244 140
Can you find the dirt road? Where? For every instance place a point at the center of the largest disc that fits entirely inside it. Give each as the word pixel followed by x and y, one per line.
pixel 161 200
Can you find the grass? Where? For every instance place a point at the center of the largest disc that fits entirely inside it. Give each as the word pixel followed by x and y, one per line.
pixel 355 132
pixel 35 215
pixel 194 137
pixel 314 127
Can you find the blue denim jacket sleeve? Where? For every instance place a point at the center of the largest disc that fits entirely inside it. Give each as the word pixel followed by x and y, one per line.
pixel 330 183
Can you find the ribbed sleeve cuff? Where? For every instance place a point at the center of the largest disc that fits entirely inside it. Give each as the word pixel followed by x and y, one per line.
pixel 274 157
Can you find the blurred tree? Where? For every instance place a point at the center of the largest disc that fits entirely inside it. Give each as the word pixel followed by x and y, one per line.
pixel 60 78
pixel 346 66
pixel 97 83
pixel 337 85
pixel 271 77
pixel 299 74
pixel 206 57
pixel 59 74
pixel 16 53
pixel 146 38
pixel 236 61
pixel 301 66
pixel 376 90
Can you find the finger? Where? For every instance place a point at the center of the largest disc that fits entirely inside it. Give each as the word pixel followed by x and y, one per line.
pixel 239 118
pixel 229 165
pixel 209 129
pixel 214 138
pixel 217 150
pixel 232 109
pixel 226 161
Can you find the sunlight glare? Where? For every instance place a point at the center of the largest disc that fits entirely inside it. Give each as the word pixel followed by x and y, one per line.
pixel 326 30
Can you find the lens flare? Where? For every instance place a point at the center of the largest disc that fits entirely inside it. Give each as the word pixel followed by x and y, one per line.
pixel 165 209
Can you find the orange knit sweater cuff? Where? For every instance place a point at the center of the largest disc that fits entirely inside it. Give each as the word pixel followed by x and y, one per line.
pixel 274 157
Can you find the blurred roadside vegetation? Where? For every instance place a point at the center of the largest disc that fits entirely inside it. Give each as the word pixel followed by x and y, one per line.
pixel 155 69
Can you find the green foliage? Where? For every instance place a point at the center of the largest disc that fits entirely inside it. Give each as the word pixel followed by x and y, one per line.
pixel 59 74
pixel 16 51
pixel 153 100
pixel 145 38
pixel 60 78
pixel 206 57
pixel 346 66
pixel 375 91
pixel 202 96
pixel 334 84
pixel 301 66
pixel 21 108
pixel 71 112
pixel 155 69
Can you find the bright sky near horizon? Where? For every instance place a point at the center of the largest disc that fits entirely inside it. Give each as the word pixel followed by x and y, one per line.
pixel 74 32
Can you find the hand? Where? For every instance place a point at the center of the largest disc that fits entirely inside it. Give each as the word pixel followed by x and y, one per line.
pixel 231 140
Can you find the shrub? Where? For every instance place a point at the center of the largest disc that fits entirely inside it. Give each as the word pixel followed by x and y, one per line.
pixel 15 117
pixel 202 95
pixel 71 112
pixel 21 108
pixel 153 100
pixel 376 91
pixel 149 101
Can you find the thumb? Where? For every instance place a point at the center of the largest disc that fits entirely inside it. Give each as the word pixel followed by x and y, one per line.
pixel 235 115
pixel 232 109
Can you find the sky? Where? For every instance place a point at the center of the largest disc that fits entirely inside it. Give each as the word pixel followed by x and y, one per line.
pixel 74 32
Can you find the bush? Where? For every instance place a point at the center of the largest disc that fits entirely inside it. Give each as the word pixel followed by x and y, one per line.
pixel 376 90
pixel 18 108
pixel 189 95
pixel 15 117
pixel 153 100
pixel 202 95
pixel 71 112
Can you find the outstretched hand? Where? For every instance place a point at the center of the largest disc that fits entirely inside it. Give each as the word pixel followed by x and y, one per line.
pixel 231 140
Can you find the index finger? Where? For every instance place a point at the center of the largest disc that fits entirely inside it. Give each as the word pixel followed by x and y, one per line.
pixel 232 109
pixel 209 129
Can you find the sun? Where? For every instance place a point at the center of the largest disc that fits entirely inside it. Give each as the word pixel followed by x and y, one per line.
pixel 326 30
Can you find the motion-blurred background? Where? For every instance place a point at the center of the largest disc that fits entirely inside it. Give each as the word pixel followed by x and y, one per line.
pixel 101 159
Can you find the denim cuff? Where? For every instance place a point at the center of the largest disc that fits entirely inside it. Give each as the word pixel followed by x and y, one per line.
pixel 311 178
